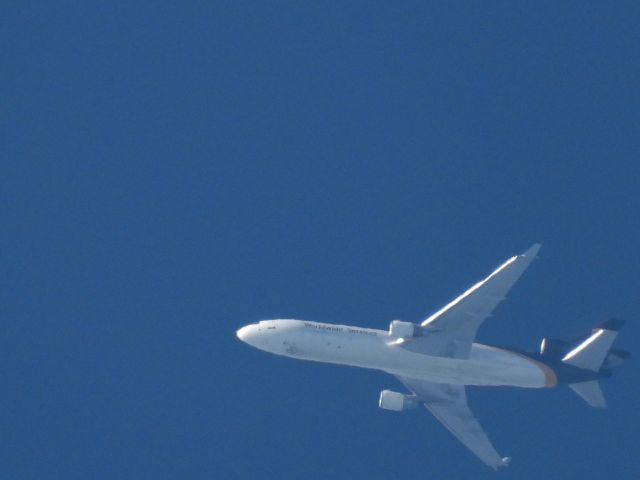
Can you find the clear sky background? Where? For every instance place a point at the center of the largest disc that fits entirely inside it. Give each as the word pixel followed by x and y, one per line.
pixel 171 172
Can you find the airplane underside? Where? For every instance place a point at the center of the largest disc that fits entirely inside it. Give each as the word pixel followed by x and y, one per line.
pixel 438 357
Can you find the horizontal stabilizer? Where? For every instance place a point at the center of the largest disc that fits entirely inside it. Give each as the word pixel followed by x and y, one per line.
pixel 590 392
pixel 591 353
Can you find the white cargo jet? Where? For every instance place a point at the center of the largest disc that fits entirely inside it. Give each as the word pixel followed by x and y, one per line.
pixel 438 357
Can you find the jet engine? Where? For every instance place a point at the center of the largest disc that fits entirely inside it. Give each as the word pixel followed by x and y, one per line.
pixel 396 401
pixel 400 329
pixel 553 348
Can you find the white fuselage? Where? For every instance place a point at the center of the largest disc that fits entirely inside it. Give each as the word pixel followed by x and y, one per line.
pixel 377 349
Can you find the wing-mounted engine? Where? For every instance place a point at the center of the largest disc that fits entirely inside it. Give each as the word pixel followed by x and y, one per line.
pixel 397 402
pixel 401 331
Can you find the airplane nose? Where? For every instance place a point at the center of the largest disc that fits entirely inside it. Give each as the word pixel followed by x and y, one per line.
pixel 243 333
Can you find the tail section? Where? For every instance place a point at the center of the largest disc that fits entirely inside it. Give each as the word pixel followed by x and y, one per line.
pixel 590 392
pixel 591 353
pixel 615 358
pixel 594 353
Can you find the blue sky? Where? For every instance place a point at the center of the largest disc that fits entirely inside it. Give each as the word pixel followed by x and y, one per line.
pixel 173 171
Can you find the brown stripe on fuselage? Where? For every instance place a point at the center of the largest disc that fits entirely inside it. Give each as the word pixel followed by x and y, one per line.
pixel 550 377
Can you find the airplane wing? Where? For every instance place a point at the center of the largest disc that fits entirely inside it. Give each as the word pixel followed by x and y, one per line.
pixel 448 403
pixel 451 330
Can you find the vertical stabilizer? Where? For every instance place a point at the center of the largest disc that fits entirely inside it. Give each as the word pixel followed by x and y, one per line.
pixel 591 352
pixel 590 392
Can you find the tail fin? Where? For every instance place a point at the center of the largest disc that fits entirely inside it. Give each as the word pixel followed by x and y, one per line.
pixel 592 352
pixel 590 393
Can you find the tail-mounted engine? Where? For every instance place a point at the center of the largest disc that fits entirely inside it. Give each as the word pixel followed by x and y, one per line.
pixel 396 401
pixel 553 348
pixel 556 349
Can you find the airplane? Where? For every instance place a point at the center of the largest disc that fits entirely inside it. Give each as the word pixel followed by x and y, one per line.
pixel 437 358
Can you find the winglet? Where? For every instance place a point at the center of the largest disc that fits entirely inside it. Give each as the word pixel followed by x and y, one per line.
pixel 532 251
pixel 504 462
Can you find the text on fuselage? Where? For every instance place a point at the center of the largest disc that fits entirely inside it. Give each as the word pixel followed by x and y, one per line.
pixel 334 328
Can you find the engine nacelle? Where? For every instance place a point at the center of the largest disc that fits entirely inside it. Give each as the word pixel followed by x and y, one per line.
pixel 395 401
pixel 400 329
pixel 553 348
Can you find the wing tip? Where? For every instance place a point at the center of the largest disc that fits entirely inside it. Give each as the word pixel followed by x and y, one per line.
pixel 532 251
pixel 500 463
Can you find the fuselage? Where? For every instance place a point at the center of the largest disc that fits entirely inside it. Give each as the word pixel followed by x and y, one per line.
pixel 377 349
